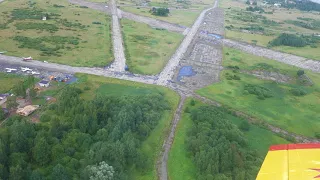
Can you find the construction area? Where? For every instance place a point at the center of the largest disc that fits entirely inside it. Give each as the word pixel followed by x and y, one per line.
pixel 201 64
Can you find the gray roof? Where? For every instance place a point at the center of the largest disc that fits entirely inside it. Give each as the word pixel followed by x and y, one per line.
pixel 44 82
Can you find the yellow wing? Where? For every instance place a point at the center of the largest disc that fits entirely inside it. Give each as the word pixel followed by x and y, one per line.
pixel 291 161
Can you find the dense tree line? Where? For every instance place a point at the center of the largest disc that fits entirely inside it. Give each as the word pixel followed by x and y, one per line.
pixel 218 148
pixel 294 40
pixel 79 139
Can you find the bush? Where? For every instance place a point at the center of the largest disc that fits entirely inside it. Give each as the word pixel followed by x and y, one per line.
pixel 192 102
pixel 288 40
pixel 244 126
pixel 300 72
pixel 37 26
pixel 298 92
pixel 317 135
pixel 86 88
pixel 260 91
pixel 160 11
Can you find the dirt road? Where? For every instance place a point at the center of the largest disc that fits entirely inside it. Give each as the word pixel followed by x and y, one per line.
pixel 290 59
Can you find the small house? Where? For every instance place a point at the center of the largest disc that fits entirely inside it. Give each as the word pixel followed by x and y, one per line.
pixel 44 18
pixel 44 83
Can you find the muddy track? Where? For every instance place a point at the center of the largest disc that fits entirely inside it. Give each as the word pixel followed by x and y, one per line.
pixel 163 161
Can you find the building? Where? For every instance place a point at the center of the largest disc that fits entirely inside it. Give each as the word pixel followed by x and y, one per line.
pixel 44 83
pixel 44 18
pixel 27 110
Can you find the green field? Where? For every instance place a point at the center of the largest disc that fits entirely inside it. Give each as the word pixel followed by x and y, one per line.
pixel 8 81
pixel 182 17
pixel 298 114
pixel 108 86
pixel 68 36
pixel 147 49
pixel 261 28
pixel 180 164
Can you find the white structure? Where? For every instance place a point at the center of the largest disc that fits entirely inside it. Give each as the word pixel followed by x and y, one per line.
pixel 44 18
pixel 44 83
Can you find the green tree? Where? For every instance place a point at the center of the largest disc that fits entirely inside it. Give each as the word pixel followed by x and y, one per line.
pixel 19 90
pixel 100 172
pixel 300 72
pixel 41 151
pixel 36 175
pixel 245 126
pixel 60 172
pixel 32 93
pixel 12 102
pixel 2 115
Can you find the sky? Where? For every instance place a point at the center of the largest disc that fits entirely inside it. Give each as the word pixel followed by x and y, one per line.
pixel 316 1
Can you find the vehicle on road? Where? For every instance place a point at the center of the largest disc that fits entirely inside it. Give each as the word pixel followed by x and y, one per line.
pixel 35 73
pixel 10 70
pixel 27 58
pixel 24 69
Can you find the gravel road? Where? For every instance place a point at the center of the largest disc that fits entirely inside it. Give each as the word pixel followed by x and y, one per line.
pixel 10 60
pixel 290 59
pixel 168 71
pixel 118 50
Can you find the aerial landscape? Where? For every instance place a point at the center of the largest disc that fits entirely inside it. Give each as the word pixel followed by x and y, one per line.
pixel 159 89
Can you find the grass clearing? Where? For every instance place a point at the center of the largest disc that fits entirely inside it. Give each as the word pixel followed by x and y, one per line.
pixel 63 38
pixel 148 50
pixel 298 114
pixel 8 81
pixel 182 17
pixel 180 164
pixel 151 147
pixel 238 23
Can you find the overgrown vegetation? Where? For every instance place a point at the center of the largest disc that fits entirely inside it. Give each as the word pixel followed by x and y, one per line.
pixel 40 43
pixel 294 40
pixel 77 135
pixel 37 26
pixel 160 11
pixel 260 91
pixel 218 148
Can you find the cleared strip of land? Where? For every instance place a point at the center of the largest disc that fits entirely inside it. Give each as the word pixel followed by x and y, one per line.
pixel 290 59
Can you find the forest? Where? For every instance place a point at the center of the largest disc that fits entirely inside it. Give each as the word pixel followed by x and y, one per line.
pixel 78 139
pixel 218 148
pixel 294 40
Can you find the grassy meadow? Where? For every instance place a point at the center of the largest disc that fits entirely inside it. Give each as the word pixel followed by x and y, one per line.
pixel 294 113
pixel 182 17
pixel 147 49
pixel 8 81
pixel 71 35
pixel 180 164
pixel 261 28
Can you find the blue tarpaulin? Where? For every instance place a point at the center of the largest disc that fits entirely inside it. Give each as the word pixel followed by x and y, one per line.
pixel 185 71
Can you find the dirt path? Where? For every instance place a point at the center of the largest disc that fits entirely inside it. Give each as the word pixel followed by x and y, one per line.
pixel 162 162
pixel 290 59
pixel 118 49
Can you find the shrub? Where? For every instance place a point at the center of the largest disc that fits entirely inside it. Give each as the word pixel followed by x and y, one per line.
pixel 260 91
pixel 192 102
pixel 244 126
pixel 300 72
pixel 298 92
pixel 288 40
pixel 317 135
pixel 160 11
